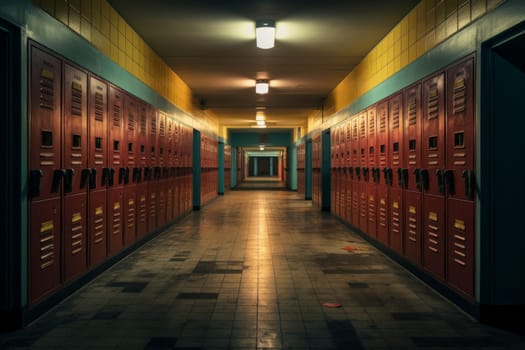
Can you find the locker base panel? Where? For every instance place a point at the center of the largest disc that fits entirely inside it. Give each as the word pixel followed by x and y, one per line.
pixel 464 302
pixel 29 315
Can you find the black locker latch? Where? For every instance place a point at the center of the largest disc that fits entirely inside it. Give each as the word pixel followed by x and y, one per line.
pixel 441 180
pixel 111 177
pixel 68 180
pixel 468 176
pixel 424 179
pixel 58 174
pixel 34 182
pixel 85 177
pixel 449 180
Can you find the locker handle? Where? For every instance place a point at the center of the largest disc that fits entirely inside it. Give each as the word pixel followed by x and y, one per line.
pixel 105 176
pixel 157 172
pixel 417 172
pixel 122 175
pixel 165 172
pixel 405 177
pixel 424 179
pixel 111 177
pixel 87 178
pixel 358 173
pixel 136 174
pixel 385 175
pixel 366 174
pixel 351 172
pixel 34 182
pixel 68 180
pixel 441 181
pixel 449 181
pixel 468 176
pixel 58 174
pixel 377 175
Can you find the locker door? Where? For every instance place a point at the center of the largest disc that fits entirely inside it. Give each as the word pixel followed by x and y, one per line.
pixel 130 215
pixel 130 135
pixel 75 143
pixel 45 115
pixel 459 176
pixel 143 211
pixel 348 178
pixel 432 175
pixel 383 163
pixel 44 257
pixel 75 228
pixel 363 175
pixel 101 176
pixel 413 197
pixel 117 159
pixel 45 175
pixel 371 176
pixel 355 172
pixel 337 170
pixel 395 107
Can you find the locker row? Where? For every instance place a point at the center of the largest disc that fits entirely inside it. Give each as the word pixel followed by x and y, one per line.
pixel 402 172
pixel 209 168
pixel 105 169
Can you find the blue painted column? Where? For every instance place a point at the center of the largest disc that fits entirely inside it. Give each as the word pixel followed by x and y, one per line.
pixel 196 170
pixel 233 172
pixel 255 166
pixel 292 167
pixel 271 166
pixel 308 170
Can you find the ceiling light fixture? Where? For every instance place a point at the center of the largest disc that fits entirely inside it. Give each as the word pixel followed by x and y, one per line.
pixel 261 148
pixel 261 123
pixel 262 86
pixel 260 116
pixel 265 33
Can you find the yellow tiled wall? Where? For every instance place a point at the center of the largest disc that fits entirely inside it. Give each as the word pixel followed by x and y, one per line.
pixel 98 23
pixel 428 24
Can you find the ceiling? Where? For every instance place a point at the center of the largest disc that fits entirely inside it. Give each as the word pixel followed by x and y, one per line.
pixel 211 45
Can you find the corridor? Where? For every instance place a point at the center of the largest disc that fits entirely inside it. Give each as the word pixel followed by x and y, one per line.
pixel 252 270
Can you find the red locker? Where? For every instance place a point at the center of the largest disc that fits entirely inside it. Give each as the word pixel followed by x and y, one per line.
pixel 459 176
pixel 337 170
pixel 355 171
pixel 411 174
pixel 75 215
pixel 371 174
pixel 117 159
pixel 333 175
pixel 101 176
pixel 45 117
pixel 348 175
pixel 431 175
pixel 382 173
pixel 44 247
pixel 363 171
pixel 342 170
pixel 74 141
pixel 45 174
pixel 395 172
pixel 133 169
pixel 115 220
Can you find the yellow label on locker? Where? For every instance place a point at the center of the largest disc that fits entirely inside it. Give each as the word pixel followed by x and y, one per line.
pixel 432 216
pixel 116 205
pixel 382 201
pixel 371 198
pixel 395 205
pixel 46 226
pixel 76 86
pixel 131 202
pixel 459 224
pixel 98 211
pixel 76 217
pixel 44 73
pixel 142 198
pixel 412 210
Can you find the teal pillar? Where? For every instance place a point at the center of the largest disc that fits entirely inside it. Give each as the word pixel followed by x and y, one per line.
pixel 196 157
pixel 255 166
pixel 271 166
pixel 292 167
pixel 220 155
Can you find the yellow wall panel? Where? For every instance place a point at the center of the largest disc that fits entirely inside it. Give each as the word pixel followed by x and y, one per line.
pixel 464 15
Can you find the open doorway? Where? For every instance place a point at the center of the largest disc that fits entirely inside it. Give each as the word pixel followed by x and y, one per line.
pixel 502 269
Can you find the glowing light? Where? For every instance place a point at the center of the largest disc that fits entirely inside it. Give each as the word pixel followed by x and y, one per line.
pixel 262 86
pixel 265 34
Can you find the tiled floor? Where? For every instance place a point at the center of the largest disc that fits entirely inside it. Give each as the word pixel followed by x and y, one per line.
pixel 252 271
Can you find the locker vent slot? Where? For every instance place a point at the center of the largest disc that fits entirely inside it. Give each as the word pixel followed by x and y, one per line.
pixel 395 115
pixel 459 139
pixel 47 89
pixel 412 110
pixel 99 106
pixel 395 147
pixel 98 143
pixel 116 145
pixel 116 112
pixel 459 94
pixel 382 120
pixel 362 128
pixel 459 243
pixel 131 214
pixel 116 219
pixel 77 232
pixel 47 244
pixel 143 123
pixel 162 127
pixel 142 209
pixel 98 225
pixel 355 132
pixel 371 124
pixel 153 127
pixel 371 151
pixel 412 145
pixel 382 149
pixel 76 99
pixel 76 141
pixel 131 121
pixel 433 239
pixel 433 102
